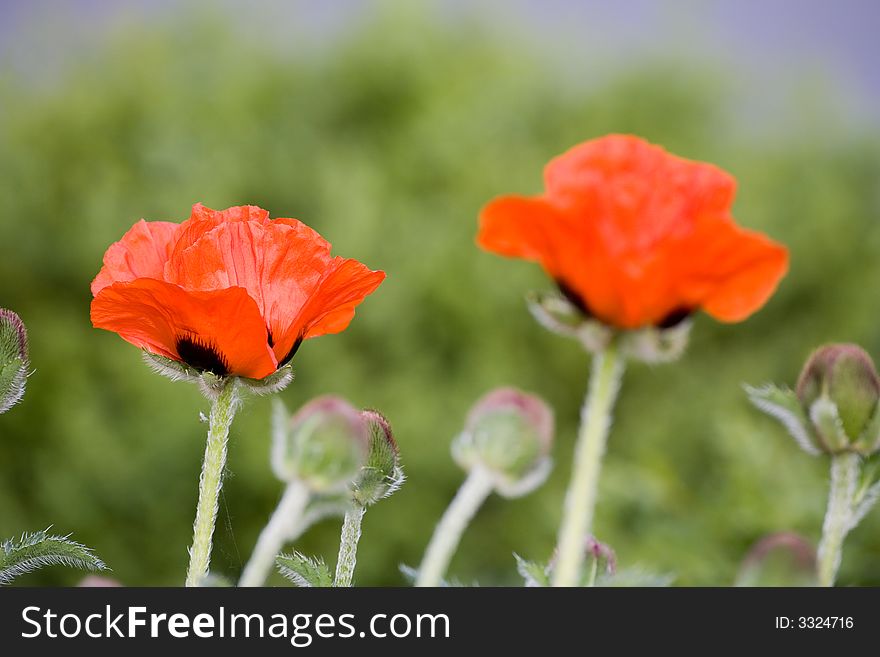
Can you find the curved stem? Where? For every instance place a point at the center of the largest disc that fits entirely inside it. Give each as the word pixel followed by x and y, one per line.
pixel 580 499
pixel 468 499
pixel 844 477
pixel 280 529
pixel 348 545
pixel 211 480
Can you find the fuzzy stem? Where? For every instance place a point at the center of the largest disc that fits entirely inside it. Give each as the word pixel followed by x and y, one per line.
pixel 580 500
pixel 282 527
pixel 844 476
pixel 468 499
pixel 211 480
pixel 348 545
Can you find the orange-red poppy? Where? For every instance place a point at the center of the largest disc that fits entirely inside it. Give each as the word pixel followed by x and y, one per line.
pixel 232 292
pixel 635 236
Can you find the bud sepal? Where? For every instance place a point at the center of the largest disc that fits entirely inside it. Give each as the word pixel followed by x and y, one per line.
pixel 14 363
pixel 783 405
pixel 210 383
pixel 649 344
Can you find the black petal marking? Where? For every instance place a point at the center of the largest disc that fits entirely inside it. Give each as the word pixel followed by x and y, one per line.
pixel 201 355
pixel 674 318
pixel 271 339
pixel 290 354
pixel 574 298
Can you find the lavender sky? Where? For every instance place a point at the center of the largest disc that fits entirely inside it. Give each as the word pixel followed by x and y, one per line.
pixel 772 44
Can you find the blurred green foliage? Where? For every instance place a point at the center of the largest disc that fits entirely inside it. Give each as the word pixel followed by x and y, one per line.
pixel 388 140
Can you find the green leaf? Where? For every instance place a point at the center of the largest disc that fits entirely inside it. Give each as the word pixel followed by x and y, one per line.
pixel 533 573
pixel 38 549
pixel 634 577
pixel 304 571
pixel 865 502
pixel 412 574
pixel 784 405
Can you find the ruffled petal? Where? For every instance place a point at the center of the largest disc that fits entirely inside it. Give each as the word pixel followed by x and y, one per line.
pixel 220 331
pixel 331 305
pixel 636 235
pixel 731 272
pixel 141 253
pixel 635 194
pixel 530 228
pixel 281 264
pixel 236 213
pixel 203 219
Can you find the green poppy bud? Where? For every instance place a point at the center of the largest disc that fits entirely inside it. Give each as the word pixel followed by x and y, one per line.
pixel 381 475
pixel 510 433
pixel 839 390
pixel 323 445
pixel 13 359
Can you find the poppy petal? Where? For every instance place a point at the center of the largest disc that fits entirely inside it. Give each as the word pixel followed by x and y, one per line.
pixel 739 270
pixel 220 330
pixel 524 227
pixel 534 229
pixel 636 193
pixel 331 305
pixel 203 220
pixel 235 213
pixel 280 264
pixel 636 235
pixel 141 253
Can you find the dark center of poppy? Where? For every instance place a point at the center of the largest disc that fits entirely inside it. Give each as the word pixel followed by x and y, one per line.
pixel 291 353
pixel 674 318
pixel 201 355
pixel 574 298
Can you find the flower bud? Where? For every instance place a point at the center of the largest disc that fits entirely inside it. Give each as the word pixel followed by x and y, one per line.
pixel 781 559
pixel 381 475
pixel 323 445
pixel 839 390
pixel 509 433
pixel 13 359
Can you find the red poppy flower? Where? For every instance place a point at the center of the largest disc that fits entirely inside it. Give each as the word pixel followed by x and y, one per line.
pixel 231 292
pixel 635 236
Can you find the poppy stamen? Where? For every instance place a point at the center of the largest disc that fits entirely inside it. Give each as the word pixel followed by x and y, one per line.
pixel 197 353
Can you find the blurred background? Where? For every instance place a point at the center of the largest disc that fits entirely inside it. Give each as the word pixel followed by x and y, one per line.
pixel 386 126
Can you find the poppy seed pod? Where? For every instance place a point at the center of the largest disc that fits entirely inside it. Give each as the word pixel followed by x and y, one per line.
pixel 323 445
pixel 510 434
pixel 381 475
pixel 839 390
pixel 13 359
